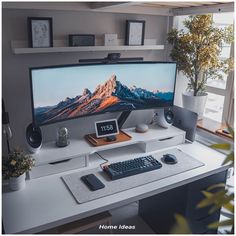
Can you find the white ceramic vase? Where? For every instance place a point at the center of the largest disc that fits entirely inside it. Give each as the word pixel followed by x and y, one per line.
pixel 195 103
pixel 17 183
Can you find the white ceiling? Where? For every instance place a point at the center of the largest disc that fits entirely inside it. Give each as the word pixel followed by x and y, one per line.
pixel 135 7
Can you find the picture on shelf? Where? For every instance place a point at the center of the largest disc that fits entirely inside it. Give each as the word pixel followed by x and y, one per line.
pixel 40 32
pixel 76 40
pixel 135 30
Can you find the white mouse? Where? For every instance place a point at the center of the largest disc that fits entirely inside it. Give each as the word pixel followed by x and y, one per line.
pixel 141 128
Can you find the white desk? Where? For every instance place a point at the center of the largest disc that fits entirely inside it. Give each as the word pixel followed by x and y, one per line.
pixel 46 202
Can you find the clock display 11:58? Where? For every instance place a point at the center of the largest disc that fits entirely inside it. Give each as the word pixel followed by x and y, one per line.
pixel 108 127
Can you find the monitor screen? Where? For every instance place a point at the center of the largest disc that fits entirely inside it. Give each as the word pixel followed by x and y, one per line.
pixel 71 91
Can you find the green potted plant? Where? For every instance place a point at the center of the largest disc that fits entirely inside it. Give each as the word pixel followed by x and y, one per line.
pixel 196 51
pixel 14 167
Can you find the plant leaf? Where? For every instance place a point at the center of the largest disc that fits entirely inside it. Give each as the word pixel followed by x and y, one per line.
pixel 228 198
pixel 229 206
pixel 229 158
pixel 214 208
pixel 223 201
pixel 211 199
pixel 216 224
pixel 223 146
pixel 207 194
pixel 181 226
pixel 220 185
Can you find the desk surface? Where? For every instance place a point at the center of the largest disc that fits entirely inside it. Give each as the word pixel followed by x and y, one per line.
pixel 46 202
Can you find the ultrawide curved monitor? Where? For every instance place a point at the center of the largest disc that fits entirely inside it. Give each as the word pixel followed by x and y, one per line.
pixel 67 92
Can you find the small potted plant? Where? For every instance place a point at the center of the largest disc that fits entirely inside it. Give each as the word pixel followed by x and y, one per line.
pixel 14 167
pixel 196 51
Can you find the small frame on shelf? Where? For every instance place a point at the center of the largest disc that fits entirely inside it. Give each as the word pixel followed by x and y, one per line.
pixel 135 31
pixel 76 40
pixel 40 32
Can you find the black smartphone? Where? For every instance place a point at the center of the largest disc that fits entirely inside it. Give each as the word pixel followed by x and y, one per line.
pixel 92 182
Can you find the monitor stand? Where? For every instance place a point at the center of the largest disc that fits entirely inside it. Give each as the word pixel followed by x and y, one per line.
pixel 122 118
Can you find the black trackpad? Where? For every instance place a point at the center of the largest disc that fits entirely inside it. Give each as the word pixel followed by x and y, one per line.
pixel 92 182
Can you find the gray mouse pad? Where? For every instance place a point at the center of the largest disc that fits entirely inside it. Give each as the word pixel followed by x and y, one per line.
pixel 82 193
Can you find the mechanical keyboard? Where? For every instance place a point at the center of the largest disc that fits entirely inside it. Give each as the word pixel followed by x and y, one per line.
pixel 135 166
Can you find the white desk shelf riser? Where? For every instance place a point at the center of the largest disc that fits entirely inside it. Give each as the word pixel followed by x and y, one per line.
pixel 77 154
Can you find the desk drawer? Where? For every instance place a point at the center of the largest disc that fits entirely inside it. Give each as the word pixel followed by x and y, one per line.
pixel 158 144
pixel 57 167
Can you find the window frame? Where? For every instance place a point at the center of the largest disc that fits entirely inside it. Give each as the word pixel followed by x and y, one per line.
pixel 229 83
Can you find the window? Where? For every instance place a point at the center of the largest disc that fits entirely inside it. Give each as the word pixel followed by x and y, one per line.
pixel 218 89
pixel 220 99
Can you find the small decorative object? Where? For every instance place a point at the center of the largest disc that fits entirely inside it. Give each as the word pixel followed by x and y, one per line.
pixel 107 128
pixel 14 167
pixel 141 128
pixel 110 39
pixel 40 32
pixel 76 40
pixel 135 30
pixel 62 137
pixel 197 53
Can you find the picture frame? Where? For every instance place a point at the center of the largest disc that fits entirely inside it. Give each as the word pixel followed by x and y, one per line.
pixel 78 40
pixel 135 31
pixel 40 32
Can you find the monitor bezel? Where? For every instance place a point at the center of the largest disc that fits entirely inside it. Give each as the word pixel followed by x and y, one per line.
pixel 92 64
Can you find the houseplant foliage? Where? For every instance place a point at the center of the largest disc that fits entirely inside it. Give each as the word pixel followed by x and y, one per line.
pixel 197 51
pixel 220 195
pixel 16 164
pixel 216 197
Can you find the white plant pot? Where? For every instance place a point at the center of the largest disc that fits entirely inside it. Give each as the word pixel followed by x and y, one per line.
pixel 17 183
pixel 195 103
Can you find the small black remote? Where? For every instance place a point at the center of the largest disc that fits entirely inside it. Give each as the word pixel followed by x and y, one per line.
pixel 92 182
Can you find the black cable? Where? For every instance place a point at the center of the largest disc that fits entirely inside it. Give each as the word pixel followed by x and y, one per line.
pixel 5 121
pixel 103 159
pixel 8 146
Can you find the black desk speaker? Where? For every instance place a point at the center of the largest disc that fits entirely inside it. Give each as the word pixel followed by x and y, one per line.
pixel 34 138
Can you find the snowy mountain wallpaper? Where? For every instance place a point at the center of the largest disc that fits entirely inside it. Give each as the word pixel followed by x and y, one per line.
pixel 68 92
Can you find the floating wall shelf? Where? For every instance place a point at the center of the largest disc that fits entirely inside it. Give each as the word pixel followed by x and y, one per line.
pixel 17 48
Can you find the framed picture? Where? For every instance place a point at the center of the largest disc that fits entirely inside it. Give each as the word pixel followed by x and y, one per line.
pixel 40 32
pixel 135 32
pixel 76 40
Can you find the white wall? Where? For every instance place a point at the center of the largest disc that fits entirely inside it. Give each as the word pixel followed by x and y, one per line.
pixel 181 79
pixel 15 74
pixel 180 87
